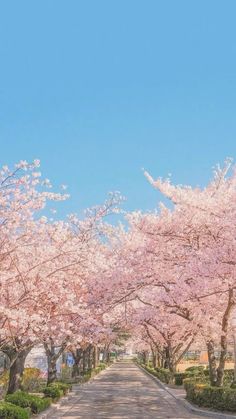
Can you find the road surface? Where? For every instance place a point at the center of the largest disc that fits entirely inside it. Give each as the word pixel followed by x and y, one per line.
pixel 123 391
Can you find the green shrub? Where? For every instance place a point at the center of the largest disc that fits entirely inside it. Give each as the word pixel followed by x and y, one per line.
pixel 195 368
pixel 219 398
pixel 228 376
pixel 102 365
pixel 11 411
pixel 206 372
pixel 53 392
pixel 64 387
pixel 197 374
pixel 180 377
pixel 35 403
pixel 162 374
pixel 86 377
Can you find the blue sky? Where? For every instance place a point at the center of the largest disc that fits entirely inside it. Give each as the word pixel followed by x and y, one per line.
pixel 98 90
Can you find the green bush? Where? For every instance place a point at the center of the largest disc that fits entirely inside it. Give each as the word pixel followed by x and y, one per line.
pixel 11 411
pixel 206 372
pixel 102 365
pixel 195 368
pixel 193 373
pixel 53 392
pixel 86 377
pixel 97 370
pixel 219 398
pixel 35 403
pixel 180 377
pixel 64 387
pixel 162 374
pixel 228 376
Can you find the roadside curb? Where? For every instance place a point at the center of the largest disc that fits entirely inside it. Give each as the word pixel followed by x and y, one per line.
pixel 185 403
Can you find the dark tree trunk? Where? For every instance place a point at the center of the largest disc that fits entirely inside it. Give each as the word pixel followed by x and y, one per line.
pixel 167 358
pixel 16 369
pixel 52 357
pixel 52 369
pixel 223 340
pixel 89 353
pixel 145 358
pixel 212 363
pixel 106 353
pixel 84 361
pixel 95 356
pixel 77 356
pixel 221 367
pixel 154 358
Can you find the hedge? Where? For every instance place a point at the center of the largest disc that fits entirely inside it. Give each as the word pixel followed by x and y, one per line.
pixel 195 373
pixel 228 376
pixel 35 403
pixel 204 395
pixel 11 411
pixel 180 377
pixel 162 374
pixel 195 369
pixel 53 392
pixel 64 387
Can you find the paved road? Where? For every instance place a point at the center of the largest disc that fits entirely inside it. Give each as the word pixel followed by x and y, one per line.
pixel 123 391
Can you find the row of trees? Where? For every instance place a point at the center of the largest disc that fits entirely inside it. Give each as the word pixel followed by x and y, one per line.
pixel 75 284
pixel 50 273
pixel 182 271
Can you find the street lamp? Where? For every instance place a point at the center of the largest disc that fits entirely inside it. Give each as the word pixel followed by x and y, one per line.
pixel 233 324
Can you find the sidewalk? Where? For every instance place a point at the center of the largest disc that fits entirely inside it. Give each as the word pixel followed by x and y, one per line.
pixel 180 395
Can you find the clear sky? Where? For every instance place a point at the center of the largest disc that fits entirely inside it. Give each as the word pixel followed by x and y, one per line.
pixel 98 90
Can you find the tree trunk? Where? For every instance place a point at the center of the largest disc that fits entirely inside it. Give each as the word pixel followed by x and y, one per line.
pixel 221 367
pixel 154 358
pixel 52 357
pixel 167 357
pixel 84 361
pixel 106 353
pixel 95 356
pixel 52 368
pixel 89 357
pixel 77 356
pixel 145 357
pixel 212 363
pixel 223 340
pixel 16 370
